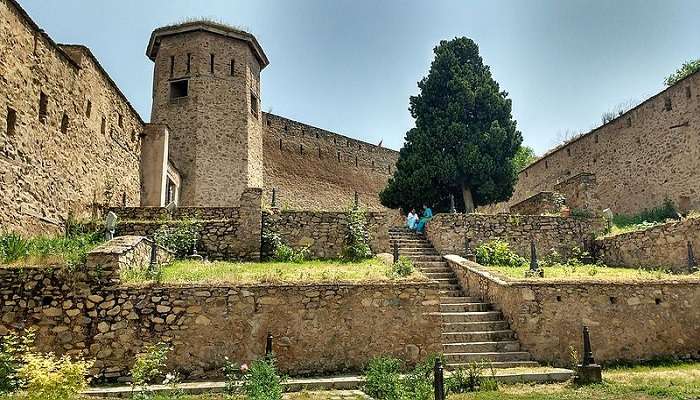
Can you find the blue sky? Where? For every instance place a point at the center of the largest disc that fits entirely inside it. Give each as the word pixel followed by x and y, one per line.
pixel 350 65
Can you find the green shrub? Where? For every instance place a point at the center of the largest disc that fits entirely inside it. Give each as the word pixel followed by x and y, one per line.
pixel 71 250
pixel 383 378
pixel 498 252
pixel 418 383
pixel 262 382
pixel 657 214
pixel 471 379
pixel 13 247
pixel 357 239
pixel 50 378
pixel 180 238
pixel 581 213
pixel 13 348
pixel 402 268
pixel 149 366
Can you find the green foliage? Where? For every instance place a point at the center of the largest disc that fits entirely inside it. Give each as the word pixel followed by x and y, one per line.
pixel 149 366
pixel 471 379
pixel 688 68
pixel 418 383
pixel 383 378
pixel 262 382
pixel 48 377
pixel 523 157
pixel 465 136
pixel 402 267
pixel 181 237
pixel 357 239
pixel 13 247
pixel 13 348
pixel 71 250
pixel 576 257
pixel 282 252
pixel 665 211
pixel 498 252
pixel 581 213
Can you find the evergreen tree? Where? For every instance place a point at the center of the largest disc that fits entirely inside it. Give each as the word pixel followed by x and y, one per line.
pixel 465 138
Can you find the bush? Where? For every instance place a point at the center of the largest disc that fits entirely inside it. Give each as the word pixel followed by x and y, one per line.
pixel 13 247
pixel 149 366
pixel 383 379
pixel 471 380
pixel 262 382
pixel 282 252
pixel 50 378
pixel 657 214
pixel 418 384
pixel 13 348
pixel 498 252
pixel 402 268
pixel 357 239
pixel 180 238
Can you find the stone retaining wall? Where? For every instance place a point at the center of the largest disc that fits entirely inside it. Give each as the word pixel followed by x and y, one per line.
pixel 664 246
pixel 319 328
pixel 448 232
pixel 629 321
pixel 541 203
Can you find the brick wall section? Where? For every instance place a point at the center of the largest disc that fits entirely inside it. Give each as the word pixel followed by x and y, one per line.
pixel 647 154
pixel 323 232
pixel 629 321
pixel 44 172
pixel 664 246
pixel 448 232
pixel 321 328
pixel 541 203
pixel 306 180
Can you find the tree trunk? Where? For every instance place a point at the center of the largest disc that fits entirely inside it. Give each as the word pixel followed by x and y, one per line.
pixel 468 199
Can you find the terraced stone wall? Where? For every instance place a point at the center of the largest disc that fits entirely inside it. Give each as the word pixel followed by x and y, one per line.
pixel 629 321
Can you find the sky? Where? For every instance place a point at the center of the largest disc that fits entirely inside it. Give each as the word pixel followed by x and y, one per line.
pixel 350 66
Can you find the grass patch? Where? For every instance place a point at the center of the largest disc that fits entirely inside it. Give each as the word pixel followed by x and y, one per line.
pixel 47 250
pixel 592 272
pixel 673 381
pixel 183 272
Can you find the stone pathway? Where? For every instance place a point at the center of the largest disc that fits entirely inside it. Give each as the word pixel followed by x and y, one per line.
pixel 471 329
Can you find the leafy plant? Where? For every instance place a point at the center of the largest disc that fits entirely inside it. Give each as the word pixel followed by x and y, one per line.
pixel 471 379
pixel 383 378
pixel 402 268
pixel 498 252
pixel 149 366
pixel 181 237
pixel 688 68
pixel 282 252
pixel 13 348
pixel 581 213
pixel 262 382
pixel 48 377
pixel 665 211
pixel 357 239
pixel 418 383
pixel 13 247
pixel 574 358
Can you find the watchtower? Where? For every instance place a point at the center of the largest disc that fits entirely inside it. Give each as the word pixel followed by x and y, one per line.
pixel 206 89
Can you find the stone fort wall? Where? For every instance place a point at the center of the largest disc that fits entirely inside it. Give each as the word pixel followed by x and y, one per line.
pixel 647 154
pixel 314 169
pixel 69 139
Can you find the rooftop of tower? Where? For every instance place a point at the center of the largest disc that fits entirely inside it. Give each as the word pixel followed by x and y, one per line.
pixel 206 25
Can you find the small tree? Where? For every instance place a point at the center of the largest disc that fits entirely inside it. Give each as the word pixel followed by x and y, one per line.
pixel 688 68
pixel 357 239
pixel 523 157
pixel 465 137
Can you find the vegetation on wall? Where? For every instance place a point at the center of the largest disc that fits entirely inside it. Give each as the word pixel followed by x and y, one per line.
pixel 465 138
pixel 665 211
pixel 498 252
pixel 688 68
pixel 357 238
pixel 181 237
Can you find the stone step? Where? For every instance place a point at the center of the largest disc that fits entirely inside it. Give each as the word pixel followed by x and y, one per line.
pixel 453 358
pixel 485 336
pixel 440 275
pixel 449 286
pixel 482 347
pixel 478 326
pixel 451 300
pixel 437 271
pixel 497 364
pixel 480 316
pixel 422 258
pixel 464 307
pixel 426 265
pixel 412 243
pixel 451 293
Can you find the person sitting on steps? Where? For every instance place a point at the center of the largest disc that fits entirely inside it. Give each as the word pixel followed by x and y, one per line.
pixel 427 216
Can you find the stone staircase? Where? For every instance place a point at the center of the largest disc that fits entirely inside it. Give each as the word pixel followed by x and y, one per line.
pixel 471 329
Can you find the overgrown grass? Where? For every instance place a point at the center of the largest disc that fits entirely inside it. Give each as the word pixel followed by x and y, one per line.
pixel 47 250
pixel 657 214
pixel 679 381
pixel 592 272
pixel 182 272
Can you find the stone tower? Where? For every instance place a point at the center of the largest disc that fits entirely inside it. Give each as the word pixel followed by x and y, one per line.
pixel 206 89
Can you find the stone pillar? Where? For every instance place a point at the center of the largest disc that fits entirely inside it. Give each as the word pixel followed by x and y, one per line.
pixel 250 223
pixel 154 165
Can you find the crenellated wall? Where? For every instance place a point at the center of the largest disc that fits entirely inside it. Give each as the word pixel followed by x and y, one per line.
pixel 81 152
pixel 640 158
pixel 314 169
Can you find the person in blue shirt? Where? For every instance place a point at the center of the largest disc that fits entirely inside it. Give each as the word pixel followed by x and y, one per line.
pixel 427 216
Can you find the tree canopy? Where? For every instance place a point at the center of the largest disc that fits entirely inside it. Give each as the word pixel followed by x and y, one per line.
pixel 524 157
pixel 464 140
pixel 688 68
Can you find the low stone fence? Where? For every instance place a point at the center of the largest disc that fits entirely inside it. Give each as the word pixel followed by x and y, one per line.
pixel 449 232
pixel 319 328
pixel 324 232
pixel 629 321
pixel 663 246
pixel 541 203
